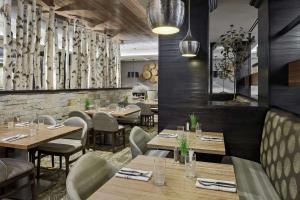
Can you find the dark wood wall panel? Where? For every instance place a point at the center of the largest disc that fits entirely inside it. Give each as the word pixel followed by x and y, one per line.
pixel 183 82
pixel 282 49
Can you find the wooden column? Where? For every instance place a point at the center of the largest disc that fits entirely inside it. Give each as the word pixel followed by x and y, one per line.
pixel 50 49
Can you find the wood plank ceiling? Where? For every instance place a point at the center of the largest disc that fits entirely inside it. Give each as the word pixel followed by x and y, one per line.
pixel 122 19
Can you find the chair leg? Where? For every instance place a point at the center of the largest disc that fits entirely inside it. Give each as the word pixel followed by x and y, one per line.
pixel 32 186
pixel 67 164
pixel 83 151
pixel 124 137
pixel 60 162
pixel 94 140
pixel 52 160
pixel 38 166
pixel 113 142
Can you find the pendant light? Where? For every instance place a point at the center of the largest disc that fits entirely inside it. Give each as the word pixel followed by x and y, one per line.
pixel 165 17
pixel 189 47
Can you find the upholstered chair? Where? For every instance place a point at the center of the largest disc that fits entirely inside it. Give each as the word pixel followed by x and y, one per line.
pixel 106 124
pixel 138 140
pixel 87 175
pixel 132 119
pixel 65 147
pixel 11 172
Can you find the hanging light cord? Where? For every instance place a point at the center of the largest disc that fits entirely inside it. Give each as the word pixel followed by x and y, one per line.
pixel 189 16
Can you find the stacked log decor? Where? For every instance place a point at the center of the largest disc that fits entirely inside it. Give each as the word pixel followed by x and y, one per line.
pixel 294 73
pixel 77 58
pixel 150 73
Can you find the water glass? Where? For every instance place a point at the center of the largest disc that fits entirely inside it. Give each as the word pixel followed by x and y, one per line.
pixel 33 129
pixel 180 131
pixel 190 165
pixel 176 154
pixel 198 130
pixel 41 122
pixel 10 121
pixel 159 172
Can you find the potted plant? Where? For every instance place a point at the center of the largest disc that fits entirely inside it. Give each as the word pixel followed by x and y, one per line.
pixel 87 104
pixel 193 121
pixel 183 148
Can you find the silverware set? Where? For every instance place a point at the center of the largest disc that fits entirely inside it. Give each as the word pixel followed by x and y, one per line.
pixel 217 183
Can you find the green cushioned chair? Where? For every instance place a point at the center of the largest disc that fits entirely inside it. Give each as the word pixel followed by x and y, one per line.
pixel 87 175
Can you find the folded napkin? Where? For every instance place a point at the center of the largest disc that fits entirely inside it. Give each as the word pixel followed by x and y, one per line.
pixel 134 174
pixel 55 126
pixel 22 124
pixel 168 135
pixel 14 138
pixel 212 138
pixel 213 184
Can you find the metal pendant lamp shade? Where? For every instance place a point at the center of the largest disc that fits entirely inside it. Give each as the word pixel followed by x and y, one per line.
pixel 165 17
pixel 189 47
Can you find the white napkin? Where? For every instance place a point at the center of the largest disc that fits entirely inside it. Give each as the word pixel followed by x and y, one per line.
pixel 22 124
pixel 211 138
pixel 14 138
pixel 215 187
pixel 55 126
pixel 168 135
pixel 134 174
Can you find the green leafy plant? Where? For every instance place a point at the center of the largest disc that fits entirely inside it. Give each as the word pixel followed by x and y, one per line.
pixel 87 104
pixel 126 99
pixel 193 120
pixel 183 145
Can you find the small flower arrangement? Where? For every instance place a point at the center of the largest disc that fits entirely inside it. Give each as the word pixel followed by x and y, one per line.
pixel 87 104
pixel 194 121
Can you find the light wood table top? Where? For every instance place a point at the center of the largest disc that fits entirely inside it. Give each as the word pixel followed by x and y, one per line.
pixel 195 143
pixel 116 113
pixel 151 103
pixel 177 186
pixel 43 135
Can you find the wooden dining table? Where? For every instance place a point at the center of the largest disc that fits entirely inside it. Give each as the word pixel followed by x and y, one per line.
pixel 176 187
pixel 43 135
pixel 121 112
pixel 195 143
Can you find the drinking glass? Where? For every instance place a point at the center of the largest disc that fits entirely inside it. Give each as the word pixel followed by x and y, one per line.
pixel 41 122
pixel 198 130
pixel 33 129
pixel 190 164
pixel 180 131
pixel 176 155
pixel 159 171
pixel 10 120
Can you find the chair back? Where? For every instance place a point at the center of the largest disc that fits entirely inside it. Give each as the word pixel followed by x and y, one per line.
pixel 145 109
pixel 48 120
pixel 80 135
pixel 138 140
pixel 105 122
pixel 3 171
pixel 134 115
pixel 87 175
pixel 83 116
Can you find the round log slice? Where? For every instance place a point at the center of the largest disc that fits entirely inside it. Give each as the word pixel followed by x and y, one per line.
pixel 147 75
pixel 154 72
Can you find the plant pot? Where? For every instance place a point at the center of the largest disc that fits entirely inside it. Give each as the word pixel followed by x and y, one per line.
pixel 181 159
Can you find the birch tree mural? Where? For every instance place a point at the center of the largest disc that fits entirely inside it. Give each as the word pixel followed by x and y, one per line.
pixel 19 44
pixel 25 49
pixel 50 49
pixel 67 69
pixel 63 56
pixel 93 82
pixel 74 64
pixel 31 43
pixel 7 44
pixel 102 60
pixel 84 60
pixel 37 66
pixel 56 55
pixel 79 42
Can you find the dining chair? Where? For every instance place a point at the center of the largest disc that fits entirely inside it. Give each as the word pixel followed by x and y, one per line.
pixel 138 140
pixel 87 175
pixel 48 120
pixel 105 124
pixel 11 172
pixel 147 116
pixel 65 147
pixel 88 121
pixel 132 119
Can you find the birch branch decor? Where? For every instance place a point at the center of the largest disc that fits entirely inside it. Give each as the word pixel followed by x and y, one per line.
pixel 94 63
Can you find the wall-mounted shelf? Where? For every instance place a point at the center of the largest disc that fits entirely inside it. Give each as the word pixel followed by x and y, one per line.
pixel 294 73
